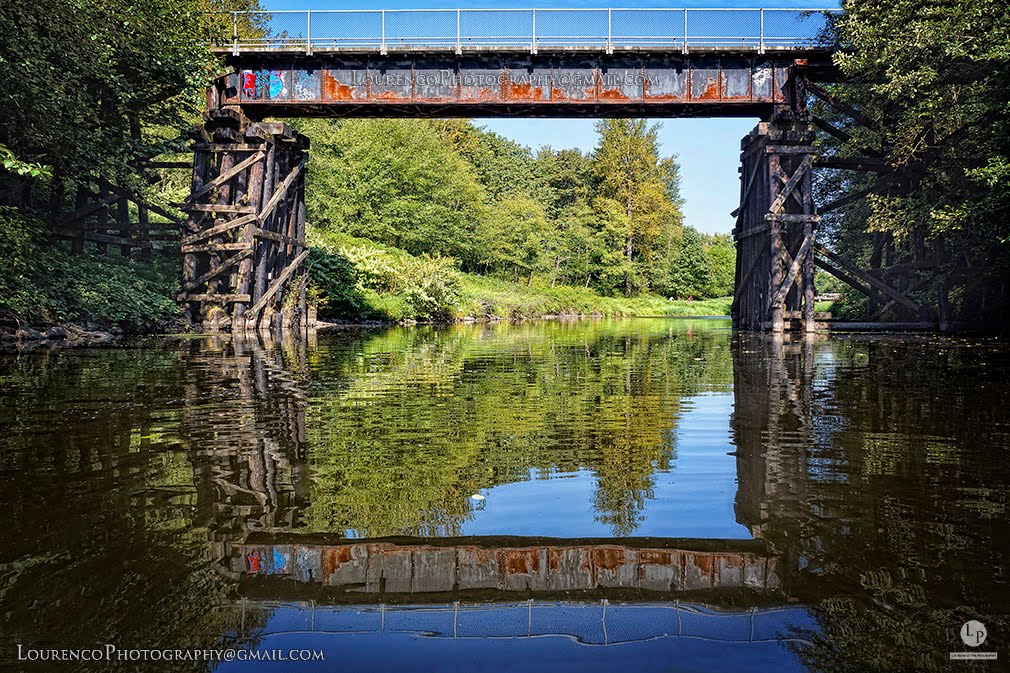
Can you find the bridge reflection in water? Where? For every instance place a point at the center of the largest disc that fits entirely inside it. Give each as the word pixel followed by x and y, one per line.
pixel 838 474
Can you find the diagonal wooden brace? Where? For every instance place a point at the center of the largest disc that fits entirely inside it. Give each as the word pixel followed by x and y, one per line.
pixel 275 286
pixel 226 176
pixel 224 266
pixel 801 170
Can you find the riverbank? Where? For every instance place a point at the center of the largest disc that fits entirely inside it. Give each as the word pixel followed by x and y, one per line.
pixel 51 296
pixel 358 279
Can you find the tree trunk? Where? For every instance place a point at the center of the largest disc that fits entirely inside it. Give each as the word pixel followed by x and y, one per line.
pixel 628 249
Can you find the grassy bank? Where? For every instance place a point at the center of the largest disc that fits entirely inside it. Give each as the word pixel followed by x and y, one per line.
pixel 353 279
pixel 357 279
pixel 492 297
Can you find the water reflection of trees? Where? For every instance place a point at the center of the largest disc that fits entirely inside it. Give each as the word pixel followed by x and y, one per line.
pixel 878 468
pixel 406 424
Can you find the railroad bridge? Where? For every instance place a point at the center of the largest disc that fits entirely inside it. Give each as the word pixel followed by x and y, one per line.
pixel 244 248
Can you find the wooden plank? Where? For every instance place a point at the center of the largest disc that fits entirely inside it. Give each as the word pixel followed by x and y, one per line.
pixel 86 210
pixel 153 207
pixel 215 208
pixel 282 190
pixel 254 311
pixel 218 229
pixel 64 232
pixel 142 226
pixel 847 279
pixel 280 238
pixel 790 149
pixel 224 266
pixel 794 271
pixel 841 106
pixel 753 231
pixel 226 176
pixel 254 192
pixel 868 279
pixel 226 147
pixel 780 200
pixel 746 277
pixel 215 247
pixel 738 213
pixel 915 287
pixel 222 298
pixel 783 177
pixel 831 129
pixel 792 217
pixel 845 200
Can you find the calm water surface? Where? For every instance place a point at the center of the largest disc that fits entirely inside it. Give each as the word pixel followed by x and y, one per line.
pixel 656 494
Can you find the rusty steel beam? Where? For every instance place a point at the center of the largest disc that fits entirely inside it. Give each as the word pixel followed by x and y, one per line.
pixel 561 84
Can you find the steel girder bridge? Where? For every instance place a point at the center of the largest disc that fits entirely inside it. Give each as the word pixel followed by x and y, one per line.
pixel 244 243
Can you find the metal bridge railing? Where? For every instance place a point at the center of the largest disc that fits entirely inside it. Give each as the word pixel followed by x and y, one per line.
pixel 527 29
pixel 590 623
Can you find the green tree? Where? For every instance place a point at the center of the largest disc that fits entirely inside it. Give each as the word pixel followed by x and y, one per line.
pixel 720 255
pixel 934 79
pixel 690 275
pixel 631 174
pixel 396 182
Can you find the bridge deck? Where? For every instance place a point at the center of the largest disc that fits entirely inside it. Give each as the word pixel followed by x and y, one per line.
pixel 651 82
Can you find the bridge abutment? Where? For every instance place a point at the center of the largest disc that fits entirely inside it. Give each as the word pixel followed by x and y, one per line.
pixel 775 227
pixel 244 243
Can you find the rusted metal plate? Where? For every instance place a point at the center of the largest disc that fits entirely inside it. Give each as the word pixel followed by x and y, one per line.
pixel 513 82
pixel 659 570
pixel 390 570
pixel 479 84
pixel 390 82
pixel 435 81
pixel 621 81
pixel 574 82
pixel 698 571
pixel 307 564
pixel 665 81
pixel 763 80
pixel 306 85
pixel 706 80
pixel 478 568
pixel 527 81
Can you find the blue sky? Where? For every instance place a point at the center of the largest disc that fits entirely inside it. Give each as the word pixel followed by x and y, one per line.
pixel 708 149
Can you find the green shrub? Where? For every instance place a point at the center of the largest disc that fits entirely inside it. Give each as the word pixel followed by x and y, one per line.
pixel 43 284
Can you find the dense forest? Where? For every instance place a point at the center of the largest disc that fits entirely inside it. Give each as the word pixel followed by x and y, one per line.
pixel 442 219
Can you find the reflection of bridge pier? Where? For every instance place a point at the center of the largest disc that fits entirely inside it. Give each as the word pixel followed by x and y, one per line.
pixel 772 425
pixel 773 431
pixel 247 440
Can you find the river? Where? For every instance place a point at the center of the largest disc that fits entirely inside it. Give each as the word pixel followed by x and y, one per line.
pixel 646 494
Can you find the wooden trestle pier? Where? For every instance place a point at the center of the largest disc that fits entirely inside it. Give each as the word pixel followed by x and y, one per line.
pixel 775 227
pixel 244 240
